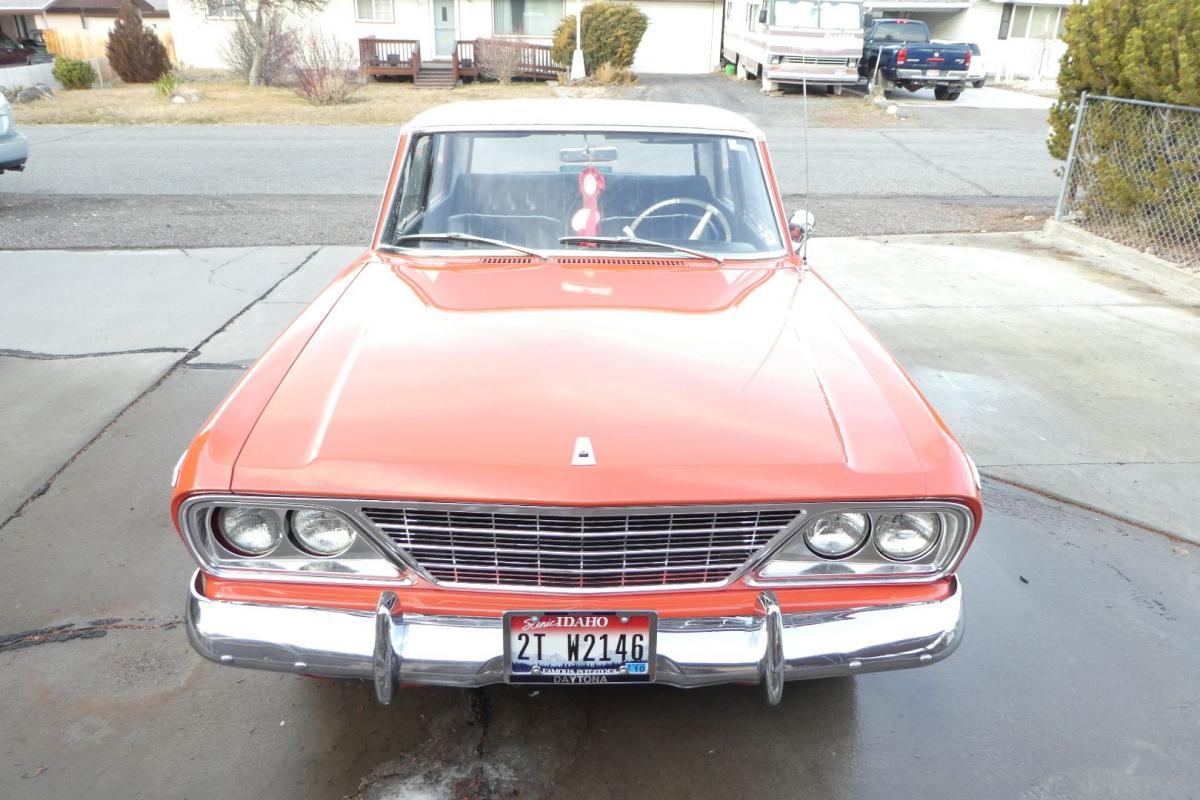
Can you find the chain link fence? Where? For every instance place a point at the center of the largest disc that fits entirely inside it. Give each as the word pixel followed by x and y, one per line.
pixel 1133 176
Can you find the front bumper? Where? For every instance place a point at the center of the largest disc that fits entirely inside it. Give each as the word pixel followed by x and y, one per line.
pixel 392 648
pixel 956 78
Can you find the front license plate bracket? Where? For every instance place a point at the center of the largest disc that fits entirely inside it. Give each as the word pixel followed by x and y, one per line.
pixel 579 647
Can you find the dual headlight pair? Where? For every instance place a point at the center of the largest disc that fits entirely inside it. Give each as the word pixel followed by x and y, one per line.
pixel 899 537
pixel 278 539
pixel 252 531
pixel 915 542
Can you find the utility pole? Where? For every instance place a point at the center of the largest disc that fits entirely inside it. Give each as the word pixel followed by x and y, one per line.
pixel 577 71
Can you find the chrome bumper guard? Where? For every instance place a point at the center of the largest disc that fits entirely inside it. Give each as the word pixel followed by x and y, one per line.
pixel 393 648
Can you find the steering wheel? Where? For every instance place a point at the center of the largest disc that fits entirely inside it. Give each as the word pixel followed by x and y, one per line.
pixel 711 212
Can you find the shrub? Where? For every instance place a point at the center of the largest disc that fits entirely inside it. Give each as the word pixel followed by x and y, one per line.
pixel 608 75
pixel 134 51
pixel 326 70
pixel 167 85
pixel 73 73
pixel 282 43
pixel 498 59
pixel 1140 49
pixel 611 35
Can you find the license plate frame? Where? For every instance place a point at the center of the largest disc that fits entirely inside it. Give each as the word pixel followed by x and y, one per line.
pixel 933 73
pixel 644 674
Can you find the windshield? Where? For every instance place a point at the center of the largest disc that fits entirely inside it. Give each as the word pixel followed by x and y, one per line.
pixel 827 14
pixel 705 193
pixel 900 32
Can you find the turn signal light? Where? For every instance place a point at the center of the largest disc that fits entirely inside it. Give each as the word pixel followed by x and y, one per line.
pixel 902 56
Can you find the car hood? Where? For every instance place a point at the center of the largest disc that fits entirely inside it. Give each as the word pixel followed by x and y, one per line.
pixel 475 385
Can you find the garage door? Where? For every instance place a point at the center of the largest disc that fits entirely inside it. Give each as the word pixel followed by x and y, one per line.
pixel 683 37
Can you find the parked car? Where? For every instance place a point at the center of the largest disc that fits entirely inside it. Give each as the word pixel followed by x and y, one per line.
pixel 12 52
pixel 898 52
pixel 581 414
pixel 14 150
pixel 977 73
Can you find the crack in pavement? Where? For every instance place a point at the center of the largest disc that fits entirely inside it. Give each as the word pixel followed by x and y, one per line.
pixel 945 171
pixel 192 353
pixel 34 356
pixel 90 630
pixel 212 365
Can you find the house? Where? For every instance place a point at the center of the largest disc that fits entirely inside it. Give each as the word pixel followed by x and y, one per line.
pixel 100 15
pixel 1018 40
pixel 19 19
pixel 684 36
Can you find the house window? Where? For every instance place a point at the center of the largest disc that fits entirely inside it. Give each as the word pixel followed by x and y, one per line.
pixel 373 11
pixel 527 17
pixel 1031 22
pixel 752 16
pixel 224 9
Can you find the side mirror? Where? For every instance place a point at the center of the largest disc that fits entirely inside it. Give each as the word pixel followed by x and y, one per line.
pixel 801 224
pixel 762 16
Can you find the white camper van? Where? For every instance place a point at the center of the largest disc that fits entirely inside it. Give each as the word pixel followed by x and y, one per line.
pixel 793 41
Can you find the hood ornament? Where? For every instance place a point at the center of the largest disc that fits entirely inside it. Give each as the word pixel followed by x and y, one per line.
pixel 583 455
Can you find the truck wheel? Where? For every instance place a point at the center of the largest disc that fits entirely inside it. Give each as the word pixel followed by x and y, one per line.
pixel 979 83
pixel 952 96
pixel 941 92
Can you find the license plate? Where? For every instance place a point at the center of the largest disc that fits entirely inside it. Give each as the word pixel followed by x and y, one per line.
pixel 575 647
pixel 934 73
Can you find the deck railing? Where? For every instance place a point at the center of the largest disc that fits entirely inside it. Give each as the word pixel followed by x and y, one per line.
pixel 533 60
pixel 389 56
pixel 464 51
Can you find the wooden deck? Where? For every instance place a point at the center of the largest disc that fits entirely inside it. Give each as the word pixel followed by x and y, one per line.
pixel 401 58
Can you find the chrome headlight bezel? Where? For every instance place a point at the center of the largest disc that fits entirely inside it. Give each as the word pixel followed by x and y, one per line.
pixel 366 559
pixel 790 561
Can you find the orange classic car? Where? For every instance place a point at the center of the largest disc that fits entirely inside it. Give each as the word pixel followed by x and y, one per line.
pixel 581 414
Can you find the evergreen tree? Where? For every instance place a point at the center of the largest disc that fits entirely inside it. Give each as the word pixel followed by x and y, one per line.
pixel 134 51
pixel 1141 49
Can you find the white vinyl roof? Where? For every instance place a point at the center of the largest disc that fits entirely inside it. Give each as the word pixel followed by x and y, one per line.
pixel 559 114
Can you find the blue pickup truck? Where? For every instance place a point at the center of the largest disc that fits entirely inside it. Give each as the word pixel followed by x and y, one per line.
pixel 897 52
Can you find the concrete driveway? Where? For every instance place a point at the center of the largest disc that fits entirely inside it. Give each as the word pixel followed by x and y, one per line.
pixel 1076 679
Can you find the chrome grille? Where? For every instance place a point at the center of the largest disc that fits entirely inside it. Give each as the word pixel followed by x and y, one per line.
pixel 829 61
pixel 556 549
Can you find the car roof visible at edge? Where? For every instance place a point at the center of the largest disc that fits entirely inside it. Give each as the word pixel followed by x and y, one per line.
pixel 612 114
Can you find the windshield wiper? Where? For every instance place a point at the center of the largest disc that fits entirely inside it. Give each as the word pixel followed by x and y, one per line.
pixel 451 236
pixel 635 241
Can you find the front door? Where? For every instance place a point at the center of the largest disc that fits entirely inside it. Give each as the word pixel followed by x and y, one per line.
pixel 444 36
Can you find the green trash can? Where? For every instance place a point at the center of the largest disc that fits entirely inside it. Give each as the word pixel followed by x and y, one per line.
pixel 730 70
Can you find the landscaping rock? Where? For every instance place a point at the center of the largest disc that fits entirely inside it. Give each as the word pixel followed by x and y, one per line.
pixel 32 93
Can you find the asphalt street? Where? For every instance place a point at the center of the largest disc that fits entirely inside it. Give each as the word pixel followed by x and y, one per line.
pixel 945 169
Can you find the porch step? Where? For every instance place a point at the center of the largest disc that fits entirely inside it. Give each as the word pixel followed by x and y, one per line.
pixel 435 75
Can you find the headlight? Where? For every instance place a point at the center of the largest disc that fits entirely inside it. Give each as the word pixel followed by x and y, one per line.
pixel 250 531
pixel 282 539
pixel 904 537
pixel 847 543
pixel 837 535
pixel 321 533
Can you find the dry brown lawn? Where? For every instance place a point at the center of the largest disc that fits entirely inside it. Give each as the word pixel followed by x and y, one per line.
pixel 229 103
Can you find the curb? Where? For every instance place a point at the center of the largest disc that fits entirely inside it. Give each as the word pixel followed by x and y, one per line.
pixel 1128 256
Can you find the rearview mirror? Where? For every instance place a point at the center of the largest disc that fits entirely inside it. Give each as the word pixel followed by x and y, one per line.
pixel 801 224
pixel 587 155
